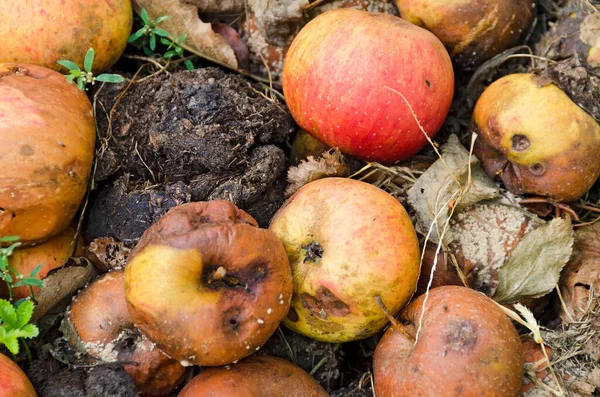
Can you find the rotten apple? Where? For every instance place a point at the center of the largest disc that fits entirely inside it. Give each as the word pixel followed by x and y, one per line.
pixel 472 30
pixel 13 381
pixel 253 377
pixel 98 324
pixel 466 346
pixel 371 84
pixel 535 139
pixel 66 29
pixel 207 285
pixel 47 136
pixel 350 245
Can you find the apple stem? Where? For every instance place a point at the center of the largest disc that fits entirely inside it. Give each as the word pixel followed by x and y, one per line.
pixel 395 323
pixel 219 274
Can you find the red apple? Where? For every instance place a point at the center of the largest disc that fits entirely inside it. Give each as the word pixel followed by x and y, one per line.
pixel 349 244
pixel 353 79
pixel 13 381
pixel 466 347
pixel 207 285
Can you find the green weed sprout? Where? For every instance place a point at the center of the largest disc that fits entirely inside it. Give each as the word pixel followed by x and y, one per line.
pixel 85 77
pixel 149 31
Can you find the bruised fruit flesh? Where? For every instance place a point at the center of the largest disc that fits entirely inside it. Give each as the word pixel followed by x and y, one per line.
pixel 535 139
pixel 472 30
pixel 207 285
pixel 466 347
pixel 98 324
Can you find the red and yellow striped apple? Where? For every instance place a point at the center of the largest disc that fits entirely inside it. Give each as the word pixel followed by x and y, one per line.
pixel 13 381
pixel 360 81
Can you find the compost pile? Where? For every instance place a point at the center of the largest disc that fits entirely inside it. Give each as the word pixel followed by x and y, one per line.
pixel 341 198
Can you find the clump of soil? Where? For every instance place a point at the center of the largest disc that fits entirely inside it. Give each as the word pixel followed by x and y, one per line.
pixel 189 136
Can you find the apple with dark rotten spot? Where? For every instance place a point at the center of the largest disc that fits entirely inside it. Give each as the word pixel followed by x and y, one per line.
pixel 371 84
pixel 352 246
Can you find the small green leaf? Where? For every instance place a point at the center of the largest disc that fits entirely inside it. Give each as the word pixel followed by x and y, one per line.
pixel 8 251
pixel 24 313
pixel 69 65
pixel 8 278
pixel 166 41
pixel 169 54
pixel 89 60
pixel 144 15
pixel 11 343
pixel 152 42
pixel 110 78
pixel 147 51
pixel 28 331
pixel 163 18
pixel 20 302
pixel 8 314
pixel 136 36
pixel 37 269
pixel 31 281
pixel 9 239
pixel 80 84
pixel 161 32
pixel 181 38
pixel 188 64
pixel 70 78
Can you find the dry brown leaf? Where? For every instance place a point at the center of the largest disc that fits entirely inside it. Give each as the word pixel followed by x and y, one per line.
pixel 580 282
pixel 107 254
pixel 61 283
pixel 201 39
pixel 331 163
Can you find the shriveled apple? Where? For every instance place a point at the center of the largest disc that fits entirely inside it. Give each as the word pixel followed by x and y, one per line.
pixel 99 325
pixel 207 285
pixel 472 30
pixel 47 135
pixel 350 244
pixel 535 139
pixel 466 346
pixel 367 83
pixel 66 29
pixel 252 377
pixel 13 381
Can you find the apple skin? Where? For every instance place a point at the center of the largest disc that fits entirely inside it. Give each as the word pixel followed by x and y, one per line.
pixel 535 139
pixel 190 314
pixel 13 381
pixel 47 137
pixel 57 30
pixel 345 76
pixel 96 324
pixel 52 254
pixel 467 347
pixel 256 376
pixel 473 31
pixel 347 242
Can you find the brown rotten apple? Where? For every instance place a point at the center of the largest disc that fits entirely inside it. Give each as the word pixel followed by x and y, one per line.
pixel 349 244
pixel 257 376
pixel 207 285
pixel 472 30
pixel 99 325
pixel 466 346
pixel 535 139
pixel 364 81
pixel 47 135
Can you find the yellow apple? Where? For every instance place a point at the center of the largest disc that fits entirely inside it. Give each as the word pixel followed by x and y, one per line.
pixel 349 244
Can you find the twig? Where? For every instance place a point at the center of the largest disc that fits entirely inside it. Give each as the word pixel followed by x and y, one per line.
pixel 395 323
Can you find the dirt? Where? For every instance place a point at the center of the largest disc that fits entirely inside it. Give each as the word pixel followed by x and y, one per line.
pixel 190 136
